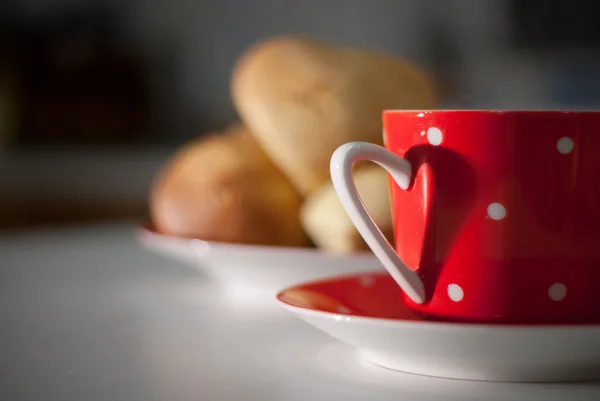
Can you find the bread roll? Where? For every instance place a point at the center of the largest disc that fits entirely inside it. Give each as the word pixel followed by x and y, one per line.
pixel 303 98
pixel 225 188
pixel 328 224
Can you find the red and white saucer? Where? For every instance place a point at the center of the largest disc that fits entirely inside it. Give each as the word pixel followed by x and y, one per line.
pixel 366 311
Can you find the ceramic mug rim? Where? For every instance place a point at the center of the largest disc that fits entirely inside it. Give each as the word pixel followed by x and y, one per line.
pixel 490 111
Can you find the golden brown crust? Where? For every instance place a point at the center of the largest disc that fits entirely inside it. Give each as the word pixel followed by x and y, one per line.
pixel 225 188
pixel 303 98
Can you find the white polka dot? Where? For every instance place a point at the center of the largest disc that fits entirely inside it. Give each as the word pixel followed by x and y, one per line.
pixel 564 145
pixel 366 281
pixel 422 133
pixel 557 291
pixel 496 211
pixel 434 136
pixel 343 309
pixel 455 292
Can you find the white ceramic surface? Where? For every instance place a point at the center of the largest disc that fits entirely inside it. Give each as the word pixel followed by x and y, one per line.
pixel 248 274
pixel 88 315
pixel 505 353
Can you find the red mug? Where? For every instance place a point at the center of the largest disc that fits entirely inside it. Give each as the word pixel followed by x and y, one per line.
pixel 496 213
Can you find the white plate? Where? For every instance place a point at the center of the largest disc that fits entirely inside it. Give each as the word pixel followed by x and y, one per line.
pixel 251 274
pixel 365 311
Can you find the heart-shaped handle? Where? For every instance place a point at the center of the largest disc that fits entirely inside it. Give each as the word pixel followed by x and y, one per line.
pixel 342 161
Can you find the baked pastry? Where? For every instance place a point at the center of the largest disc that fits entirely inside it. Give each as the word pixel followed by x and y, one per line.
pixel 225 188
pixel 328 224
pixel 303 98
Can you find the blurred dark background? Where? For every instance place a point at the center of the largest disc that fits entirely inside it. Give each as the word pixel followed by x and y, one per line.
pixel 95 94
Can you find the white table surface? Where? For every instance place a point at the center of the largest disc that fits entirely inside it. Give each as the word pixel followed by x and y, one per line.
pixel 86 314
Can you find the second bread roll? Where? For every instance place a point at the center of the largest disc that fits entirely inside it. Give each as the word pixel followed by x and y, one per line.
pixel 328 224
pixel 303 98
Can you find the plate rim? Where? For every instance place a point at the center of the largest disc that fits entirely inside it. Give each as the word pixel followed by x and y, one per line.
pixel 147 230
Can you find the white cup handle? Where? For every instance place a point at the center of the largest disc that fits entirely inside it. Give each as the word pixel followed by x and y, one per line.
pixel 342 161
